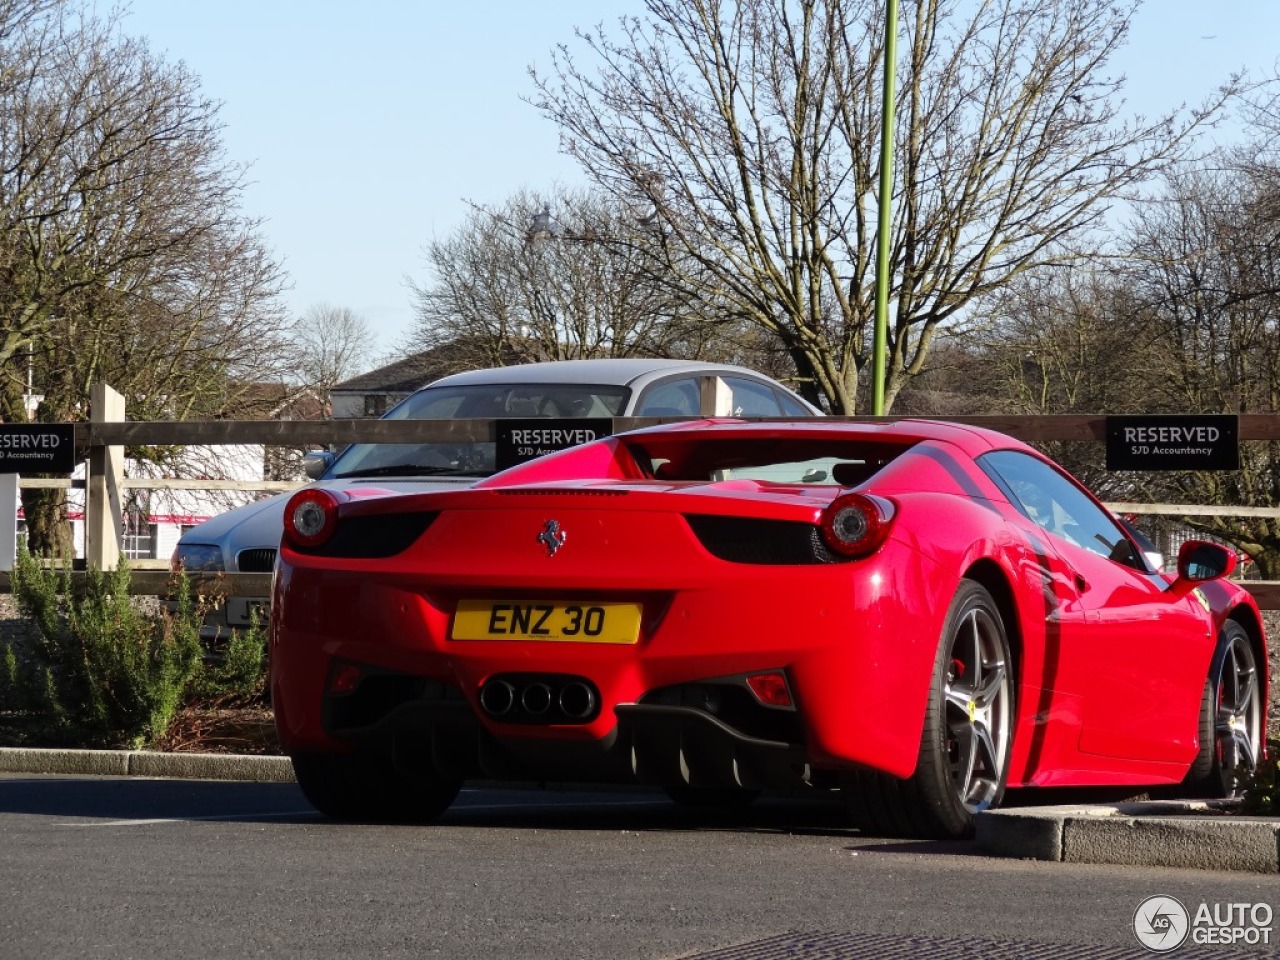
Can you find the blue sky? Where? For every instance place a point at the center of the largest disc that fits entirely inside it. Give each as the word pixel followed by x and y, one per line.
pixel 370 126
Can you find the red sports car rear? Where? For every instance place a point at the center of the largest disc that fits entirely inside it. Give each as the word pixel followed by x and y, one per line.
pixel 721 608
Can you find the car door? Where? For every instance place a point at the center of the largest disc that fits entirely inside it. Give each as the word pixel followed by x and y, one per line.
pixel 726 395
pixel 749 398
pixel 673 397
pixel 1134 652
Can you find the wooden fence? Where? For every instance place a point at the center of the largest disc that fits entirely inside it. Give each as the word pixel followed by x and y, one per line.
pixel 104 437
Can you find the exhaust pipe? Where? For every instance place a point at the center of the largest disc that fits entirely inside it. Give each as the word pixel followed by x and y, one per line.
pixel 543 698
pixel 536 699
pixel 577 700
pixel 497 697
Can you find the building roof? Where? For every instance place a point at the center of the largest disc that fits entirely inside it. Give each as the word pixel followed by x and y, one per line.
pixel 276 401
pixel 408 374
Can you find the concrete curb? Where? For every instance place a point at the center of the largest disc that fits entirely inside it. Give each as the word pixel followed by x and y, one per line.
pixel 1196 835
pixel 143 763
pixel 1199 835
pixel 214 766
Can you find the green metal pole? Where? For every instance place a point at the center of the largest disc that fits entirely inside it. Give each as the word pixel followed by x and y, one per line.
pixel 884 244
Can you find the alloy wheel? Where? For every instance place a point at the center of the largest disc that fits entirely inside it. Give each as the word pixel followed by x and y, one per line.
pixel 977 700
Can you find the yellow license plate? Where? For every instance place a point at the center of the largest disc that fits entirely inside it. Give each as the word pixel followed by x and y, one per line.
pixel 589 621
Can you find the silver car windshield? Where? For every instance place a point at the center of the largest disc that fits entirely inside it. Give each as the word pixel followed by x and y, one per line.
pixel 476 401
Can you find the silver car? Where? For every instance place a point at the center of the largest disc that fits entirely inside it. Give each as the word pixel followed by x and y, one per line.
pixel 245 540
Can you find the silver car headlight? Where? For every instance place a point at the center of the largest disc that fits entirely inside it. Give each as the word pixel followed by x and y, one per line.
pixel 192 557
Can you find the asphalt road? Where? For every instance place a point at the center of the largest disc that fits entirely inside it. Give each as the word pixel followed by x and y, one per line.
pixel 109 868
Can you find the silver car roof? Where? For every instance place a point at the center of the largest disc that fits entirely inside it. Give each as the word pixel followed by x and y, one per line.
pixel 619 372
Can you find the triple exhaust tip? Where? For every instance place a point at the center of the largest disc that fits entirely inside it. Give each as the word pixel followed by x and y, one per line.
pixel 575 700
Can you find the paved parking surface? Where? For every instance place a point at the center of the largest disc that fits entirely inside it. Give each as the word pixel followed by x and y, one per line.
pixel 130 867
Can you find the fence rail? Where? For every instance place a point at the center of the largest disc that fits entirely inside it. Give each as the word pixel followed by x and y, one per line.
pixel 159 582
pixel 1077 427
pixel 104 438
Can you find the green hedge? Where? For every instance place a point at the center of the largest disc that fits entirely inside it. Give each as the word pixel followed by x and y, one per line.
pixel 105 669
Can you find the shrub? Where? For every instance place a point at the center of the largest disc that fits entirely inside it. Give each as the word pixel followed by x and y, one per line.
pixel 1262 787
pixel 109 670
pixel 239 674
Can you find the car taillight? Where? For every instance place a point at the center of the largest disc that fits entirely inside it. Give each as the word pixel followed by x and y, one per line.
pixel 310 517
pixel 855 524
pixel 771 689
pixel 343 679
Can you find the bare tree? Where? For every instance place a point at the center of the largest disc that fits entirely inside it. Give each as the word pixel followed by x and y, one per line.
pixel 749 132
pixel 1207 276
pixel 566 278
pixel 124 256
pixel 333 344
pixel 1184 322
pixel 1067 341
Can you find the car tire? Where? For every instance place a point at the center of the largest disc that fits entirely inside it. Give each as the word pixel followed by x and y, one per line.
pixel 364 786
pixel 1230 731
pixel 963 763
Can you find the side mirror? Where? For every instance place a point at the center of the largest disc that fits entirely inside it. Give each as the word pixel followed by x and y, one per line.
pixel 1201 560
pixel 316 462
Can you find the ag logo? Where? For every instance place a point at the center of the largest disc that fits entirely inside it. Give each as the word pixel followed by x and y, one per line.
pixel 1161 924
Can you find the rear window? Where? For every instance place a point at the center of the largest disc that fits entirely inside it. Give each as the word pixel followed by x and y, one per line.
pixel 480 401
pixel 489 402
pixel 839 462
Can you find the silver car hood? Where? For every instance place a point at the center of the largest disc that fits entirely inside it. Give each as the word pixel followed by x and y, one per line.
pixel 258 525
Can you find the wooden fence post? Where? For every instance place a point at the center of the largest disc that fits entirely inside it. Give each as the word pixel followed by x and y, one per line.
pixel 105 501
pixel 9 504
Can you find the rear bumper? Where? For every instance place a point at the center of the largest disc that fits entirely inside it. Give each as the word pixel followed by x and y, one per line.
pixel 856 645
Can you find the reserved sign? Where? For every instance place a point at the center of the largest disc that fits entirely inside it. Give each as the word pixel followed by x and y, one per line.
pixel 524 439
pixel 28 448
pixel 1173 442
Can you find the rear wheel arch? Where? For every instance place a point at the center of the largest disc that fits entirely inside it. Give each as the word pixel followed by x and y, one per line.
pixel 989 574
pixel 1248 620
pixel 962 764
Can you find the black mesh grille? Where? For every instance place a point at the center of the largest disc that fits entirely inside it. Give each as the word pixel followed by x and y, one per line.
pixel 379 535
pixel 257 560
pixel 822 945
pixel 746 540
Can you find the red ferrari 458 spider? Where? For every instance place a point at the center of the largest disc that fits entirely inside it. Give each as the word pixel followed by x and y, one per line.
pixel 917 614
